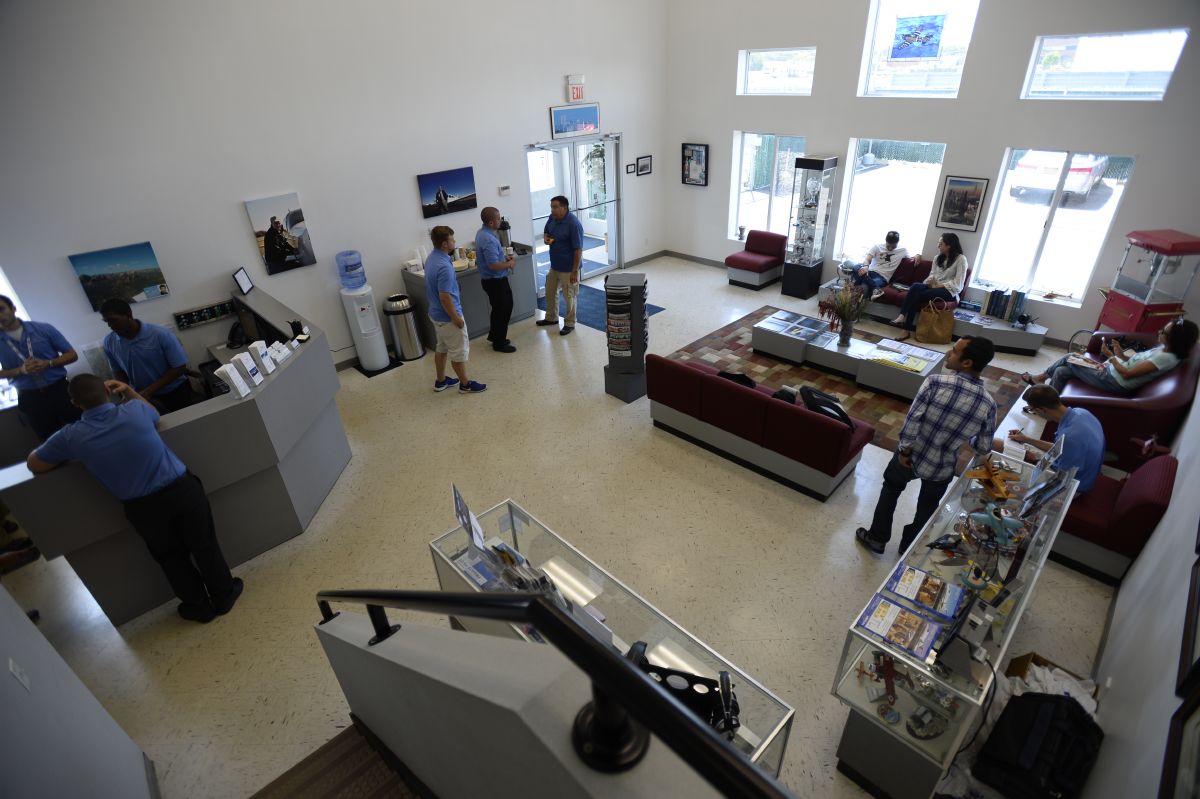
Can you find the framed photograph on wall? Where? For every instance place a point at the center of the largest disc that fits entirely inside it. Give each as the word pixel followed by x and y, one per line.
pixel 962 200
pixel 281 232
pixel 581 119
pixel 447 192
pixel 631 168
pixel 643 165
pixel 917 38
pixel 130 273
pixel 695 164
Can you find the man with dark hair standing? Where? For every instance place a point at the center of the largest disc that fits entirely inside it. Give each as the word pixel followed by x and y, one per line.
pixel 948 411
pixel 146 356
pixel 494 267
pixel 33 355
pixel 445 311
pixel 564 234
pixel 120 446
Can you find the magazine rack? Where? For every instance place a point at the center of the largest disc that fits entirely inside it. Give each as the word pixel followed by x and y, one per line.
pixel 620 617
pixel 935 708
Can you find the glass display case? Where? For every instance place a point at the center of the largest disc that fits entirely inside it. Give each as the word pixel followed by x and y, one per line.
pixel 812 201
pixel 918 664
pixel 621 618
pixel 1156 273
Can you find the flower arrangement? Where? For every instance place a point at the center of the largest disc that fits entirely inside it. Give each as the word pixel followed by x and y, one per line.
pixel 843 307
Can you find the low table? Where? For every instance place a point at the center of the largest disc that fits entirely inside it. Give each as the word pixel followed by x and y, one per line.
pixel 802 339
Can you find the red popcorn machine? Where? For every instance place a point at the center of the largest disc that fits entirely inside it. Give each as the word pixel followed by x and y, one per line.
pixel 1155 275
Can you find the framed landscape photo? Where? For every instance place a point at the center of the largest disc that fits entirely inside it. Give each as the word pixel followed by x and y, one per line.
pixel 695 164
pixel 643 165
pixel 581 119
pixel 962 200
pixel 129 273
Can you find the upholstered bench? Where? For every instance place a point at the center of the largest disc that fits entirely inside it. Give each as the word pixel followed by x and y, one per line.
pixel 906 274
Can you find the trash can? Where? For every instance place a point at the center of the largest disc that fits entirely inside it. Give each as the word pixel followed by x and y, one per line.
pixel 402 321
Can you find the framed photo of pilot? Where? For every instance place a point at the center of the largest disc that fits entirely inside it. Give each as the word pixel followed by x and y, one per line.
pixel 962 201
pixel 281 232
pixel 695 164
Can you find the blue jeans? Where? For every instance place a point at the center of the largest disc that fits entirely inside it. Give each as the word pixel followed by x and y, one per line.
pixel 872 279
pixel 1060 372
pixel 918 295
pixel 895 479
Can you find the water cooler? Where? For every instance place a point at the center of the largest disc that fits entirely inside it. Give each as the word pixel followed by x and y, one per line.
pixel 361 314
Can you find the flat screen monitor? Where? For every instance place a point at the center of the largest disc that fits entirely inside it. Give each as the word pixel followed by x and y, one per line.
pixel 242 278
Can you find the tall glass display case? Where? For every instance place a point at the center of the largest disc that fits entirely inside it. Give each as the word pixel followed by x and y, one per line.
pixel 621 618
pixel 812 196
pixel 919 662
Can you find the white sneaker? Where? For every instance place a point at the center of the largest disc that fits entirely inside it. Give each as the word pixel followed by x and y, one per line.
pixel 876 294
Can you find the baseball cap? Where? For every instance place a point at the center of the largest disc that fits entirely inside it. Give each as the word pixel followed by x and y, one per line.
pixel 892 237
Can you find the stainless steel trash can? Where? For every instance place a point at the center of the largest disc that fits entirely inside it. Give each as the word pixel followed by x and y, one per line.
pixel 402 322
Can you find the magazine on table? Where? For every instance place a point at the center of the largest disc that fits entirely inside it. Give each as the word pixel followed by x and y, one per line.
pixel 904 628
pixel 907 349
pixel 927 590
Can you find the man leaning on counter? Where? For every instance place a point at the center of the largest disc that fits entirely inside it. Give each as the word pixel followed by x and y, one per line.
pixel 33 355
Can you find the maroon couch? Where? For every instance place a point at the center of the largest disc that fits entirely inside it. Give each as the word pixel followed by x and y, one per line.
pixel 760 263
pixel 806 450
pixel 1157 408
pixel 907 273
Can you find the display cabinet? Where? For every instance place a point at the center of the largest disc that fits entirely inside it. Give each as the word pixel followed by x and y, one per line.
pixel 812 196
pixel 618 616
pixel 919 663
pixel 1156 273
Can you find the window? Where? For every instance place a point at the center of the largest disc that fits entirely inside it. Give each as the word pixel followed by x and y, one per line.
pixel 776 71
pixel 1050 216
pixel 764 168
pixel 884 170
pixel 1105 66
pixel 916 48
pixel 7 392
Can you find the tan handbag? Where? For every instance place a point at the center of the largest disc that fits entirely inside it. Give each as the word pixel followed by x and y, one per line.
pixel 935 324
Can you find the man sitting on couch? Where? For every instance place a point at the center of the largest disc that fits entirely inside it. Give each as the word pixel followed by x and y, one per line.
pixel 878 265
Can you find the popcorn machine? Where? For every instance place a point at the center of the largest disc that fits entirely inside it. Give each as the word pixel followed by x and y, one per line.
pixel 1155 275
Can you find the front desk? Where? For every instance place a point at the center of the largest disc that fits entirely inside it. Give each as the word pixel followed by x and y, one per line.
pixel 267 463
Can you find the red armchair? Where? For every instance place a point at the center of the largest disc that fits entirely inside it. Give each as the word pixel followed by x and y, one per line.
pixel 1157 408
pixel 760 263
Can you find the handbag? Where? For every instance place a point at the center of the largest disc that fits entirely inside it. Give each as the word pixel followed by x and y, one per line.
pixel 935 324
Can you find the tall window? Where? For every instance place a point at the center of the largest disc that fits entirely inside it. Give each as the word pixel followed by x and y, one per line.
pixel 892 186
pixel 7 290
pixel 1051 214
pixel 776 71
pixel 916 48
pixel 1106 66
pixel 764 166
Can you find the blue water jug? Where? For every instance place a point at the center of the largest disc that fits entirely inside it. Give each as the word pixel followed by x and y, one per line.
pixel 350 269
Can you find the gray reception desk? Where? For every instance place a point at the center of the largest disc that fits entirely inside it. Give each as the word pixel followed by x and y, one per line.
pixel 267 463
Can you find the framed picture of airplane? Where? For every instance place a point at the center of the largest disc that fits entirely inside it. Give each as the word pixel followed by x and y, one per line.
pixel 918 38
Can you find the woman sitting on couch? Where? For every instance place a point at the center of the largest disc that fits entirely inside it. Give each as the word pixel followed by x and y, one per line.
pixel 945 282
pixel 1120 375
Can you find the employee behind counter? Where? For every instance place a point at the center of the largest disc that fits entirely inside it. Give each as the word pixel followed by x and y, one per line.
pixel 147 357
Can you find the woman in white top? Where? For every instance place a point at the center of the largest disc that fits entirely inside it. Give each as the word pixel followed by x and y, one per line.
pixel 945 282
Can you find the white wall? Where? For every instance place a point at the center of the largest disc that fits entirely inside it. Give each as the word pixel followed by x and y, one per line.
pixel 138 120
pixel 986 118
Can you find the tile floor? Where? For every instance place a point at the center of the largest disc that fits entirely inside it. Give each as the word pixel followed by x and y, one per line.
pixel 767 576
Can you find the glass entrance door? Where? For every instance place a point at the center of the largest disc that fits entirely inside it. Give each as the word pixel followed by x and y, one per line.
pixel 585 172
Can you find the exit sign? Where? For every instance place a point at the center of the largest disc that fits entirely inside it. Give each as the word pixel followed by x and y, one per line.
pixel 575 89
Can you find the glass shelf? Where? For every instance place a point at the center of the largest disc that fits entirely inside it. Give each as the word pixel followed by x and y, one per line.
pixel 621 617
pixel 812 193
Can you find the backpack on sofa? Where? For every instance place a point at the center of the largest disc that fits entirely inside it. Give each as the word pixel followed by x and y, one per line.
pixel 739 378
pixel 816 400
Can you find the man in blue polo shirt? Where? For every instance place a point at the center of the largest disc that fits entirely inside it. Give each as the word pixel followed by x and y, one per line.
pixel 1082 434
pixel 120 446
pixel 33 355
pixel 494 267
pixel 445 311
pixel 146 356
pixel 564 234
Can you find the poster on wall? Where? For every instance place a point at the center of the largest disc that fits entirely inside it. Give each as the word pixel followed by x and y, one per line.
pixel 129 273
pixel 961 200
pixel 447 192
pixel 918 38
pixel 567 121
pixel 282 234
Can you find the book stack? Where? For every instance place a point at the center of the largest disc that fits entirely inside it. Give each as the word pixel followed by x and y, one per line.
pixel 1005 304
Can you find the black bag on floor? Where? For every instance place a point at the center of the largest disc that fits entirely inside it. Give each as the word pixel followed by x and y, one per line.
pixel 1042 747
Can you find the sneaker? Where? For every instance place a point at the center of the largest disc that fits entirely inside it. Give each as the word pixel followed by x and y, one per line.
pixel 566 331
pixel 504 347
pixel 442 385
pixel 876 294
pixel 863 537
pixel 201 613
pixel 545 322
pixel 471 387
pixel 235 591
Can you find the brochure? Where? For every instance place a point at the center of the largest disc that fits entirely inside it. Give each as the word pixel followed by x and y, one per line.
pixel 904 628
pixel 926 590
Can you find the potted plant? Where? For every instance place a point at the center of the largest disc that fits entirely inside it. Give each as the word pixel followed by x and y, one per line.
pixel 843 308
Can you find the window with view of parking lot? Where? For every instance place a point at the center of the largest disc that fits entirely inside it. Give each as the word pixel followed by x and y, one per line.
pixel 1104 66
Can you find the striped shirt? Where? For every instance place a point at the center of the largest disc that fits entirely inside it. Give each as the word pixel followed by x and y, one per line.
pixel 950 410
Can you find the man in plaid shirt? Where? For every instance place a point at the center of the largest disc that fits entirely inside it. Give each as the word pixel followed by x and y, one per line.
pixel 950 410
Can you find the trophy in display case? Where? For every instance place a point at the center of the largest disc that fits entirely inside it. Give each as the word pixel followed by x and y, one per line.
pixel 812 195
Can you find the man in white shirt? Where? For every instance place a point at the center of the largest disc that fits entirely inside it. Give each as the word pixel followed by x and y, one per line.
pixel 878 265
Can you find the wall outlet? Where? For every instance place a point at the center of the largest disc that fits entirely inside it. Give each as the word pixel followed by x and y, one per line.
pixel 19 673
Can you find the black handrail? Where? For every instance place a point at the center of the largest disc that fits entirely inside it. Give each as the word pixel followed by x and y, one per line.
pixel 713 758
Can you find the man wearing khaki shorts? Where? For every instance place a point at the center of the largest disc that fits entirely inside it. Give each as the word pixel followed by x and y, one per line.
pixel 445 311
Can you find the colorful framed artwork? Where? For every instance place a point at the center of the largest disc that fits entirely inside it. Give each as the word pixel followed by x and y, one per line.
pixel 917 38
pixel 695 164
pixel 580 119
pixel 962 201
pixel 129 273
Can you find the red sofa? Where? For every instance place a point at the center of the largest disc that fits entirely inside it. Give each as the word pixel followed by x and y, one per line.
pixel 806 450
pixel 1157 408
pixel 907 273
pixel 760 263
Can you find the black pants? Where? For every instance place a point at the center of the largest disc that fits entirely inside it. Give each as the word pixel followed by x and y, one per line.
pixel 46 409
pixel 918 296
pixel 895 479
pixel 177 525
pixel 501 299
pixel 176 399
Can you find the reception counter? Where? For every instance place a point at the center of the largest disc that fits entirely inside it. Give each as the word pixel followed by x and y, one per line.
pixel 475 305
pixel 267 463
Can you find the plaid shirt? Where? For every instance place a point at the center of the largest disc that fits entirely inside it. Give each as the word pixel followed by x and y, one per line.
pixel 949 411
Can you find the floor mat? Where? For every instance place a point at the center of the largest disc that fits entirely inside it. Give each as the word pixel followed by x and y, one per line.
pixel 589 308
pixel 729 349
